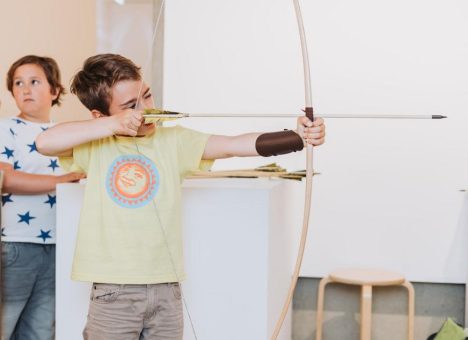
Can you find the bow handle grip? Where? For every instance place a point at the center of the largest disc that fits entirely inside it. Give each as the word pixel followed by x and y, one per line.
pixel 309 112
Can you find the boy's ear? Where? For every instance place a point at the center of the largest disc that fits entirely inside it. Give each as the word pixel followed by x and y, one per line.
pixel 97 114
pixel 54 92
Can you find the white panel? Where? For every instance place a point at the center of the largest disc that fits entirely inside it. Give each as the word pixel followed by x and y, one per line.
pixel 237 257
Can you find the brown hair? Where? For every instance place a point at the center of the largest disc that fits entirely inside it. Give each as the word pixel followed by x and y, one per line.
pixel 50 68
pixel 94 82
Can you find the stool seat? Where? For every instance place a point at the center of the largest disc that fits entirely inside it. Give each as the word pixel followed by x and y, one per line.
pixel 366 277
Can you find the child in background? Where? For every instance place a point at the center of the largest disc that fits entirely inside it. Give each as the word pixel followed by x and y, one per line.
pixel 129 242
pixel 28 202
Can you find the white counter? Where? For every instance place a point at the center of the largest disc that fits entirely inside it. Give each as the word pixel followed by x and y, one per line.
pixel 238 259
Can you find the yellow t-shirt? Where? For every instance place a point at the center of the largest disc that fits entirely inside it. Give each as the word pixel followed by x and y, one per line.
pixel 130 224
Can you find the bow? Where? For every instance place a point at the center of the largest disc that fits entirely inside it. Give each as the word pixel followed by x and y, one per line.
pixel 309 112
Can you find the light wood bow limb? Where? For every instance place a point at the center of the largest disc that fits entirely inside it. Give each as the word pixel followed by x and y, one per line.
pixel 308 191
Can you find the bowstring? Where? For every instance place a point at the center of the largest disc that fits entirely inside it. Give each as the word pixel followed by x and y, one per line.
pixel 163 230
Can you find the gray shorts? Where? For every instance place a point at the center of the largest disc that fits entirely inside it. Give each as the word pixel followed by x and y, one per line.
pixel 135 312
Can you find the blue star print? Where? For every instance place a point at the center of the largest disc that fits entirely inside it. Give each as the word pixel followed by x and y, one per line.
pixel 12 132
pixel 16 165
pixel 53 164
pixel 52 200
pixel 3 234
pixel 19 121
pixel 8 152
pixel 44 235
pixel 6 199
pixel 32 147
pixel 25 218
pixel 44 128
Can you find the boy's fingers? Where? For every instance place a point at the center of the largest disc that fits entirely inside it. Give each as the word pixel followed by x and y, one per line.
pixel 314 129
pixel 129 128
pixel 136 121
pixel 313 135
pixel 79 176
pixel 305 121
pixel 131 123
pixel 319 141
pixel 318 122
pixel 138 115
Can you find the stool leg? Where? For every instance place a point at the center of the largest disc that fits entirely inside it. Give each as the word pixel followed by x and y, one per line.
pixel 366 312
pixel 410 288
pixel 320 303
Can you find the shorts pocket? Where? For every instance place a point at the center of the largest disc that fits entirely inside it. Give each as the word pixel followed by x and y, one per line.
pixel 176 290
pixel 10 253
pixel 104 293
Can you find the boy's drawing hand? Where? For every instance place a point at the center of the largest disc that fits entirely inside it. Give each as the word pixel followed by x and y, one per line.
pixel 312 132
pixel 127 123
pixel 70 177
pixel 131 123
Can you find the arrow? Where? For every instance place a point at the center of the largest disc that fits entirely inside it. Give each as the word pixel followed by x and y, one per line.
pixel 168 115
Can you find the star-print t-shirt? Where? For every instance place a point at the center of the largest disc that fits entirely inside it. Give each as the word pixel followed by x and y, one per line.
pixel 130 223
pixel 27 218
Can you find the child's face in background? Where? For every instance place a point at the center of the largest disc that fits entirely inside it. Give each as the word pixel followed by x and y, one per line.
pixel 32 91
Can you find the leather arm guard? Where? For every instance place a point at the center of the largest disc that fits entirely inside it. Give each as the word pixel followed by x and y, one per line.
pixel 278 143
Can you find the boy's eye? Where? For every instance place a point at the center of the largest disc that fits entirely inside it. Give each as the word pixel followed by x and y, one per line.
pixel 35 82
pixel 18 83
pixel 148 95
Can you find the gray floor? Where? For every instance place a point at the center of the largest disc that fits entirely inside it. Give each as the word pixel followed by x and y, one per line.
pixel 434 303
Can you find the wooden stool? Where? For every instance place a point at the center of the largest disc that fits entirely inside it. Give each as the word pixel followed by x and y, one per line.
pixel 366 279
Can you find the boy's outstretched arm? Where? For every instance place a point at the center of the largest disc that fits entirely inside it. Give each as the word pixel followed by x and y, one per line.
pixel 60 139
pixel 246 145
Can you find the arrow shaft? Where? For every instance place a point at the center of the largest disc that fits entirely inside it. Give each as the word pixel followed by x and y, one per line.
pixel 286 115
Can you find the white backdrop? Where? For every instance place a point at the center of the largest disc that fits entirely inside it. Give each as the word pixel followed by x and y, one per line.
pixel 389 193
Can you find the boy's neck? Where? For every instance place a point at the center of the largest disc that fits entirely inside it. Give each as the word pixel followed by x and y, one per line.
pixel 35 118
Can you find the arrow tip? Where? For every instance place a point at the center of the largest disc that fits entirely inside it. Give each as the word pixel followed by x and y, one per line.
pixel 438 117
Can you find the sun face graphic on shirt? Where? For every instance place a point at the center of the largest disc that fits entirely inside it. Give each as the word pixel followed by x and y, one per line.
pixel 132 181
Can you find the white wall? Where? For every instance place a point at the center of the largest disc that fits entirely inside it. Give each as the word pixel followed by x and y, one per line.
pixel 126 29
pixel 62 29
pixel 388 194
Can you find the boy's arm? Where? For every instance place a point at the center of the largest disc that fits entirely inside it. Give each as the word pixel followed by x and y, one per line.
pixel 23 183
pixel 60 139
pixel 230 146
pixel 245 145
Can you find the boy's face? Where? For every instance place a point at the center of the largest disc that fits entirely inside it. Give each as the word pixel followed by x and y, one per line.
pixel 126 95
pixel 32 91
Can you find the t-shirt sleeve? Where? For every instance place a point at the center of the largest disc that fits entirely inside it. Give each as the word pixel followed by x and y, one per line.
pixel 190 147
pixel 7 144
pixel 79 162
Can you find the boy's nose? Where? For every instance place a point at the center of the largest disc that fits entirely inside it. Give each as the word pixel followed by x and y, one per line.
pixel 143 106
pixel 26 89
